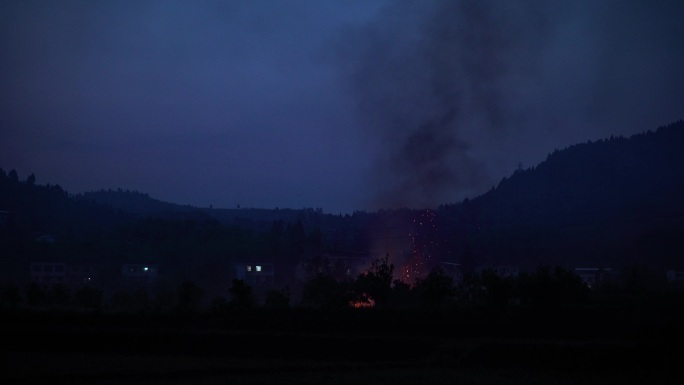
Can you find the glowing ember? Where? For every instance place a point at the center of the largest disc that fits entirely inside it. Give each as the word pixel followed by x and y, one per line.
pixel 364 302
pixel 422 242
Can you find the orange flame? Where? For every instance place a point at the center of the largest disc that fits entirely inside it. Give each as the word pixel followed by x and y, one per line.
pixel 364 302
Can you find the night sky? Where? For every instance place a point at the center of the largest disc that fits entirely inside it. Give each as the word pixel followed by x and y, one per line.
pixel 339 105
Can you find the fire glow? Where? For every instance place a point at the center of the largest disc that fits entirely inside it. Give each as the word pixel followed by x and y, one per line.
pixel 422 242
pixel 365 302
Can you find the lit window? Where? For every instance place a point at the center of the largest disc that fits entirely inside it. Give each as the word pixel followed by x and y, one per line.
pixel 258 268
pixel 249 268
pixel 146 268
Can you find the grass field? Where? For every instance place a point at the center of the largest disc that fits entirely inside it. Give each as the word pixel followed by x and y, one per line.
pixel 367 347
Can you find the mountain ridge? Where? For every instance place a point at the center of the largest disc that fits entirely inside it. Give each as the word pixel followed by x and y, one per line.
pixel 627 190
pixel 609 202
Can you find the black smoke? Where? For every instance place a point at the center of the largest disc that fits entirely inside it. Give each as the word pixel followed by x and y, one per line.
pixel 458 93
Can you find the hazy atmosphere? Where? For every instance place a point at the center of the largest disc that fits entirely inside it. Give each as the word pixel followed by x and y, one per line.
pixel 342 192
pixel 341 105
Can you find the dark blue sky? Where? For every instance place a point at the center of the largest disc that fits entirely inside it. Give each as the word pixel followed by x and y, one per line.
pixel 341 105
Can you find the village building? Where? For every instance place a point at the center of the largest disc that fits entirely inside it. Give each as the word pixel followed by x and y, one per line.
pixel 595 276
pixel 675 277
pixel 49 273
pixel 256 274
pixel 453 270
pixel 502 271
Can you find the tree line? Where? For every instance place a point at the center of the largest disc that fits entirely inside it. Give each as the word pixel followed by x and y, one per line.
pixel 546 288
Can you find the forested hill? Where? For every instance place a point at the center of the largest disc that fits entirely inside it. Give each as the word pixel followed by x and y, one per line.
pixel 613 201
pixel 30 210
pixel 141 204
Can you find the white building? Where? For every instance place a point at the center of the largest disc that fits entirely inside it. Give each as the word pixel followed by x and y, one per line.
pixel 503 271
pixel 49 273
pixel 675 276
pixel 146 272
pixel 594 276
pixel 256 274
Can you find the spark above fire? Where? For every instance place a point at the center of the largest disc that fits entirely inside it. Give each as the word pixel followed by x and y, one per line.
pixel 422 246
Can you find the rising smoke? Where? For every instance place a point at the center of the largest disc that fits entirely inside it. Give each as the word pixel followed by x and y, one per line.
pixel 427 78
pixel 457 92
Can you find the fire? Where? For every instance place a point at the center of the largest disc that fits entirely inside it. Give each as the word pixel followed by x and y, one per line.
pixel 364 302
pixel 413 254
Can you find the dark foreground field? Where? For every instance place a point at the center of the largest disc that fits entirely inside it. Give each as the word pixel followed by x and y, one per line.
pixel 625 345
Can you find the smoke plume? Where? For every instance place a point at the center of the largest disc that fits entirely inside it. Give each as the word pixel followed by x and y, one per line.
pixel 457 93
pixel 427 78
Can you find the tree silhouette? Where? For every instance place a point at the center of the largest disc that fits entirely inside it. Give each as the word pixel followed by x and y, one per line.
pixel 324 291
pixel 436 289
pixel 189 297
pixel 88 297
pixel 278 299
pixel 551 287
pixel 403 295
pixel 10 297
pixel 60 295
pixel 376 283
pixel 13 176
pixel 498 291
pixel 242 295
pixel 35 295
pixel 219 306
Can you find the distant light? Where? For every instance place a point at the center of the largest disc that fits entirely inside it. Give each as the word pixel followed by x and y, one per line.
pixel 258 268
pixel 146 268
pixel 249 268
